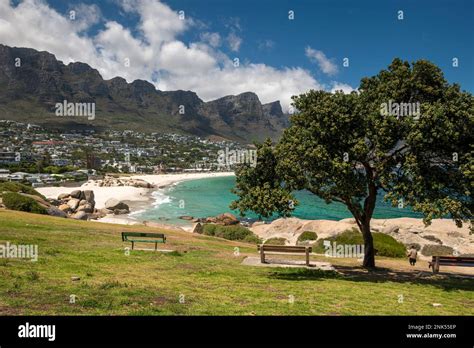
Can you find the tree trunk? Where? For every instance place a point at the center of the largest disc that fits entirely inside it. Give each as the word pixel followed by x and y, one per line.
pixel 369 250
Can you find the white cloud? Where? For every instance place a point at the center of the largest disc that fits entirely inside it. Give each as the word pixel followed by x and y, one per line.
pixel 234 41
pixel 155 51
pixel 337 86
pixel 178 59
pixel 85 15
pixel 324 63
pixel 158 22
pixel 213 39
pixel 269 83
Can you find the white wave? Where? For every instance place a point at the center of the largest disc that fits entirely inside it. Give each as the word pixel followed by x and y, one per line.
pixel 138 212
pixel 160 198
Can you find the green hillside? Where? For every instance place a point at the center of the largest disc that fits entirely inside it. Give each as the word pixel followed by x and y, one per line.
pixel 206 271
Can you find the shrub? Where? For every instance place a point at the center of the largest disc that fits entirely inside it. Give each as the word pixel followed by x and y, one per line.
pixel 386 245
pixel 437 250
pixel 276 241
pixel 209 229
pixel 252 239
pixel 15 201
pixel 307 236
pixel 17 187
pixel 235 232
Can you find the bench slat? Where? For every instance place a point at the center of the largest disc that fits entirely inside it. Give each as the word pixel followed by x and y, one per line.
pixel 157 237
pixel 454 261
pixel 285 248
pixel 456 264
pixel 146 240
pixel 143 234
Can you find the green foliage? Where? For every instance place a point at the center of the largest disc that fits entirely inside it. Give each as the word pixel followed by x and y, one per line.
pixel 259 188
pixel 209 229
pixel 10 186
pixel 343 148
pixel 235 232
pixel 306 236
pixel 15 201
pixel 385 244
pixel 276 241
pixel 437 250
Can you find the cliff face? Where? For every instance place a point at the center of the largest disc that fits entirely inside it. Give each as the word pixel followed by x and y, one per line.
pixel 32 82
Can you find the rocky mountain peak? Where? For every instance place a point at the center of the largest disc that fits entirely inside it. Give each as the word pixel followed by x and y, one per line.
pixel 42 80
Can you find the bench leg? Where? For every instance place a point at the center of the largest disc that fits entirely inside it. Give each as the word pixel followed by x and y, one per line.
pixel 307 257
pixel 436 266
pixel 133 243
pixel 156 246
pixel 262 256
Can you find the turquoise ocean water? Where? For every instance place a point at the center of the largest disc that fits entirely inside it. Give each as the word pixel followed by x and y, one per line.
pixel 210 197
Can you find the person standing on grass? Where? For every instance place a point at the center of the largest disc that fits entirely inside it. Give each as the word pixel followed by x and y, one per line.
pixel 412 254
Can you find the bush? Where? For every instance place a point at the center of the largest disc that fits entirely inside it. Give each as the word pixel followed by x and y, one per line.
pixel 231 233
pixel 17 187
pixel 276 241
pixel 307 236
pixel 437 250
pixel 15 201
pixel 385 244
pixel 209 229
pixel 252 239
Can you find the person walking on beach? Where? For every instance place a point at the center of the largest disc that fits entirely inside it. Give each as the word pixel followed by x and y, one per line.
pixel 412 254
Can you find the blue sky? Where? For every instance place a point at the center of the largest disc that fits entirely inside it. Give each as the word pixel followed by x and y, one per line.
pixel 367 32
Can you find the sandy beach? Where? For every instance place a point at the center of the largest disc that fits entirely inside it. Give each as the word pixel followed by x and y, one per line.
pixel 137 198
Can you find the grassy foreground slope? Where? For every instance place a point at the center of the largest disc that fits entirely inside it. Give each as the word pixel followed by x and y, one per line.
pixel 206 271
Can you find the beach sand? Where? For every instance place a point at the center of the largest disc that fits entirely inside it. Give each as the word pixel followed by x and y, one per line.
pixel 140 196
pixel 136 198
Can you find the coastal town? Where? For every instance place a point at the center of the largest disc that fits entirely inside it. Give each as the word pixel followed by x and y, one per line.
pixel 41 157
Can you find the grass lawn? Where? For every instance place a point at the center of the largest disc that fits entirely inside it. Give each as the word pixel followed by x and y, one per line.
pixel 203 277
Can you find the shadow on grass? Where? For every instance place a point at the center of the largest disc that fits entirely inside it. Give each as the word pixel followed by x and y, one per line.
pixel 303 274
pixel 378 275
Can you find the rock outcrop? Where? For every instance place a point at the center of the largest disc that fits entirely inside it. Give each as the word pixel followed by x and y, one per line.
pixel 110 181
pixel 409 231
pixel 118 207
pixel 225 219
pixel 77 205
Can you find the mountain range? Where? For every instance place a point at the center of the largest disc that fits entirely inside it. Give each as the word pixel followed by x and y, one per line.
pixel 32 82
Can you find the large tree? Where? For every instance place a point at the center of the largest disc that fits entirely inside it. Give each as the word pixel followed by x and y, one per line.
pixel 348 147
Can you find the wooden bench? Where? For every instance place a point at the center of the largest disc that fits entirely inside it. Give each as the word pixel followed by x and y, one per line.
pixel 283 249
pixel 460 261
pixel 143 237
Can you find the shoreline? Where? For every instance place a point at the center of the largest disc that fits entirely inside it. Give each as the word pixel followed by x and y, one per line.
pixel 405 229
pixel 138 199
